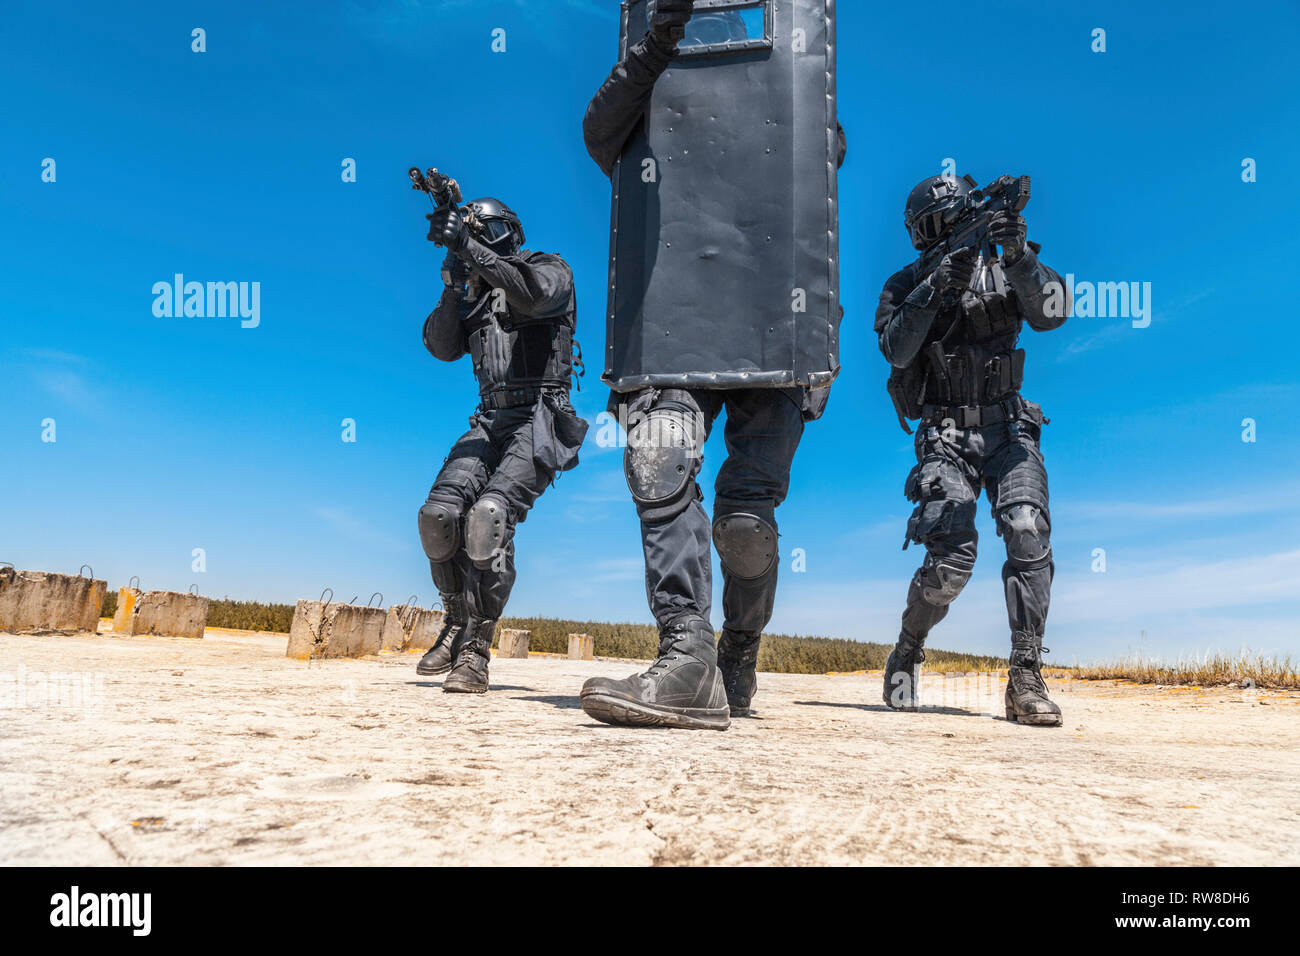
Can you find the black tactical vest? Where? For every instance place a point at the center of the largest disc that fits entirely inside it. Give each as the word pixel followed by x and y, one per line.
pixel 513 351
pixel 970 356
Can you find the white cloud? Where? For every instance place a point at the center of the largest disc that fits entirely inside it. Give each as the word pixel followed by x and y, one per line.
pixel 1173 588
pixel 1259 501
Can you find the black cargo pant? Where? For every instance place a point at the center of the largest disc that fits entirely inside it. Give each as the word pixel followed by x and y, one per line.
pixel 514 454
pixel 954 464
pixel 763 429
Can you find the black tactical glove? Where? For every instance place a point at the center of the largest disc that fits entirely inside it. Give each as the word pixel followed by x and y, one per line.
pixel 668 22
pixel 955 270
pixel 447 228
pixel 455 270
pixel 1008 230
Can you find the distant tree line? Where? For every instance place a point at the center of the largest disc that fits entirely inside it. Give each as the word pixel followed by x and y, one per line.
pixel 250 615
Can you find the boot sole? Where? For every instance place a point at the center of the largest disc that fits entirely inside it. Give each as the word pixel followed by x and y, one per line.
pixel 627 713
pixel 1035 720
pixel 460 687
pixel 739 711
pixel 431 671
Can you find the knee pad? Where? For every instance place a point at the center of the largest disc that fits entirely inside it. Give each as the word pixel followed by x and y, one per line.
pixel 660 465
pixel 941 581
pixel 487 528
pixel 440 530
pixel 747 545
pixel 1026 530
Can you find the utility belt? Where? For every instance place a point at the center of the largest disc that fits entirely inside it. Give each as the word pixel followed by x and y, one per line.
pixel 514 397
pixel 974 416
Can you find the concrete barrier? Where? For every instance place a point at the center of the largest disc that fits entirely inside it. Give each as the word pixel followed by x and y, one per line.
pixel 582 647
pixel 160 613
pixel 327 629
pixel 411 628
pixel 513 643
pixel 125 607
pixel 32 602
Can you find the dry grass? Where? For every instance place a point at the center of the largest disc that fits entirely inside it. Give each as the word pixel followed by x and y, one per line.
pixel 1210 670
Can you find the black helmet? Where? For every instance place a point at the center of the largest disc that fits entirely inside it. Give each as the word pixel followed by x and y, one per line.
pixel 718 26
pixel 930 205
pixel 495 224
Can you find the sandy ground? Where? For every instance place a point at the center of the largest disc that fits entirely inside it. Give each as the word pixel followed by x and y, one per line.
pixel 165 751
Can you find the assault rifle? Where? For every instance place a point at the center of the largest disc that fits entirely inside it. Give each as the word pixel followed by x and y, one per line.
pixel 968 226
pixel 442 190
pixel 444 193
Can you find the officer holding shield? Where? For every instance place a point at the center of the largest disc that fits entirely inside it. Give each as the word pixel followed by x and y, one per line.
pixel 723 297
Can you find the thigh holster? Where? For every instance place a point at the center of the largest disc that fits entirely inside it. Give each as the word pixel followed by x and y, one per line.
pixel 944 501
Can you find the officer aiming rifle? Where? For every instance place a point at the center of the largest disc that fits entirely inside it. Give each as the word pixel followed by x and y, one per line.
pixel 951 339
pixel 514 311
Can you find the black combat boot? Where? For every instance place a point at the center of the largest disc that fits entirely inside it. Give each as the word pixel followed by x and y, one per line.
pixel 683 688
pixel 738 660
pixel 1026 700
pixel 903 673
pixel 437 659
pixel 473 651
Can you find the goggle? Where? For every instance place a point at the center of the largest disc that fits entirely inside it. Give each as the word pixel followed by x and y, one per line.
pixel 931 223
pixel 494 231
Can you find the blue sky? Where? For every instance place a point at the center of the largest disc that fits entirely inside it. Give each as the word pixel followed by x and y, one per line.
pixel 181 433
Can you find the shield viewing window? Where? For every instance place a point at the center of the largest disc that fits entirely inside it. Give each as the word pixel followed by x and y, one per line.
pixel 726 26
